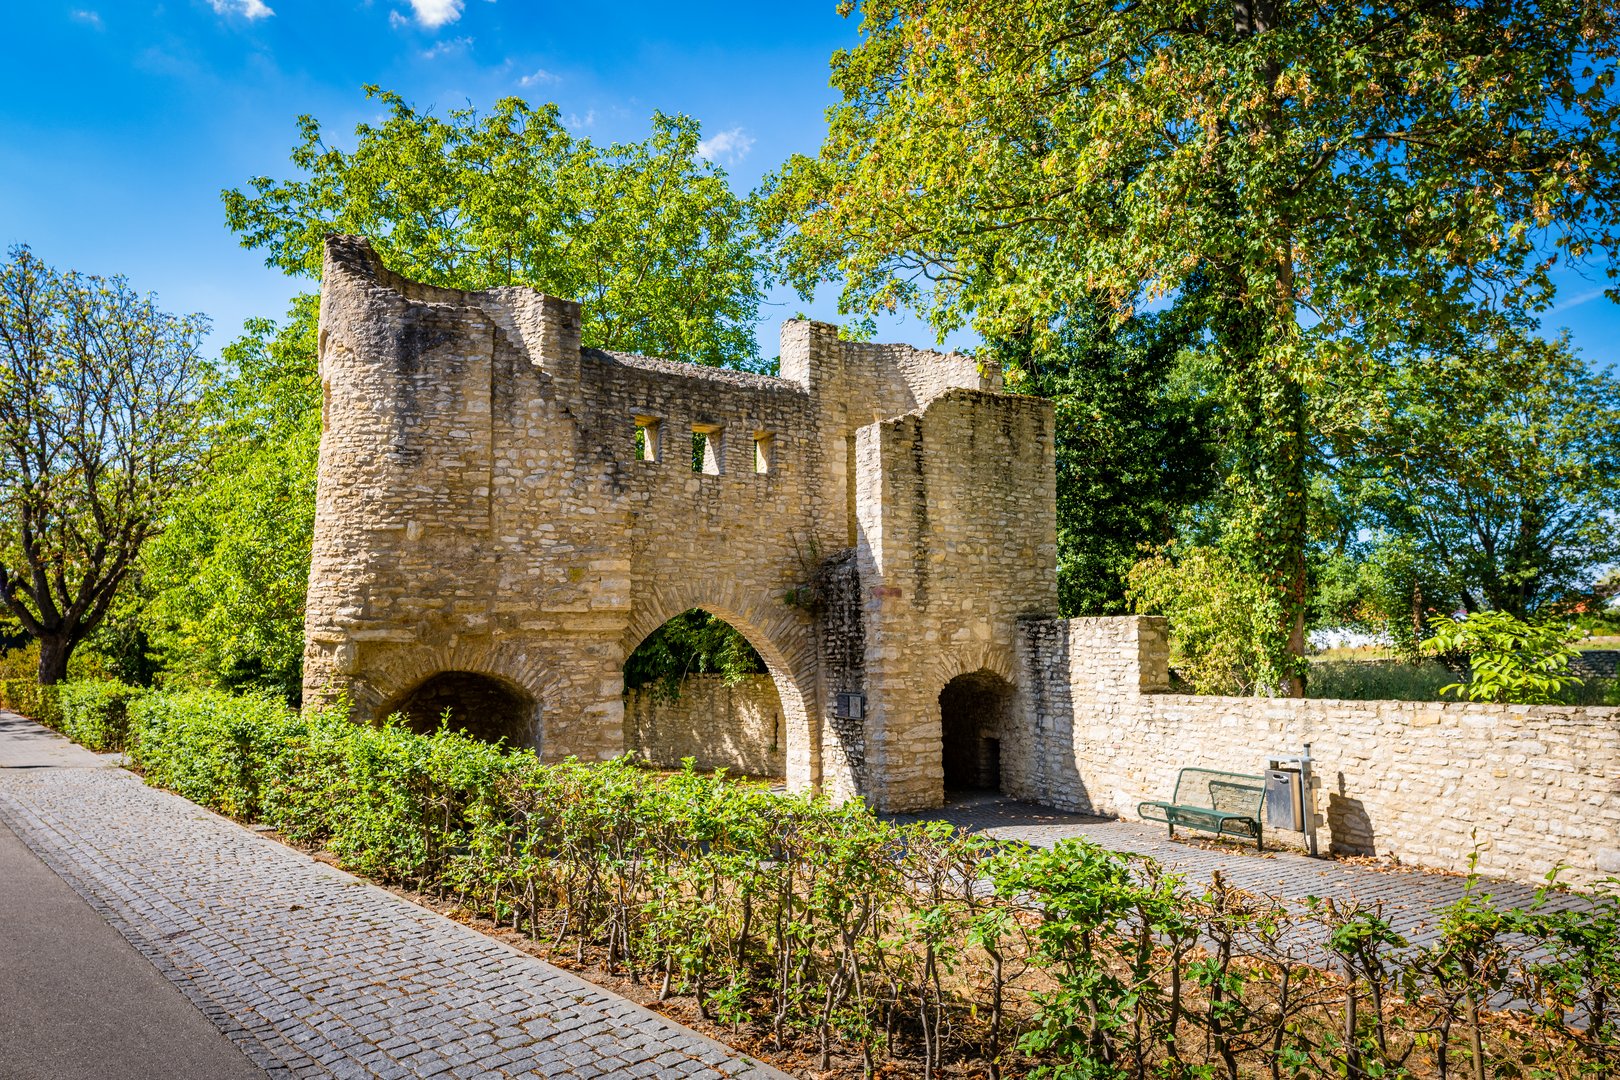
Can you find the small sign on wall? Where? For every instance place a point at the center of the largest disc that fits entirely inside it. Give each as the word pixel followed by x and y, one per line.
pixel 850 707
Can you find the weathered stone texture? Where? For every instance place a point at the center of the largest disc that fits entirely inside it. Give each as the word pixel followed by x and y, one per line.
pixel 719 726
pixel 955 508
pixel 486 505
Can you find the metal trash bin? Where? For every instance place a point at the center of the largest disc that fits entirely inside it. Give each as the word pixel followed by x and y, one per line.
pixel 1290 796
pixel 1285 808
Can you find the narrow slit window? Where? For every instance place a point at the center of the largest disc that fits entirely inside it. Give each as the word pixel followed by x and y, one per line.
pixel 764 451
pixel 706 449
pixel 646 438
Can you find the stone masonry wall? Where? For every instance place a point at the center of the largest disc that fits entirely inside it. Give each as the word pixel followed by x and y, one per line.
pixel 957 541
pixel 496 501
pixel 737 727
pixel 1532 786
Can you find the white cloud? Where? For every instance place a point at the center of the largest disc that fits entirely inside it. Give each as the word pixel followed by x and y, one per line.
pixel 729 146
pixel 88 17
pixel 1576 301
pixel 248 9
pixel 446 48
pixel 539 78
pixel 574 120
pixel 432 14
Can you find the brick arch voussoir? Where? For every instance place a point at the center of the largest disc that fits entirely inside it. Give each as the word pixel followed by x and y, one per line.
pixel 782 634
pixel 406 669
pixel 969 657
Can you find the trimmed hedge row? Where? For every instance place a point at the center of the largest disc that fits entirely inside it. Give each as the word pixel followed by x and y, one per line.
pixel 822 929
pixel 32 700
pixel 95 712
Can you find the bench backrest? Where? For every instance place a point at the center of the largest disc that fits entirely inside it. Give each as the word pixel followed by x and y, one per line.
pixel 1228 792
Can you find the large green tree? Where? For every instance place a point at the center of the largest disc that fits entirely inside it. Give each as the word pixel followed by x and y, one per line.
pixel 1322 170
pixel 101 424
pixel 1498 463
pixel 648 235
pixel 1134 443
pixel 227 579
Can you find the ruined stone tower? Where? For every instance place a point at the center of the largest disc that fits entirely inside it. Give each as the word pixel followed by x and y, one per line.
pixel 504 516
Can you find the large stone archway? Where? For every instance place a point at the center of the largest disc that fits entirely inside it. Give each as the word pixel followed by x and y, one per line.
pixel 482 706
pixel 977 711
pixel 783 637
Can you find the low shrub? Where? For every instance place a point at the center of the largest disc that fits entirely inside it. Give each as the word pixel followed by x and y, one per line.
pixel 216 749
pixel 95 712
pixel 1377 680
pixel 1509 659
pixel 825 930
pixel 1394 680
pixel 25 696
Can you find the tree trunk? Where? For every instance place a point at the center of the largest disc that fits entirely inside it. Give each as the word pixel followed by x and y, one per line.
pixel 53 659
pixel 1296 531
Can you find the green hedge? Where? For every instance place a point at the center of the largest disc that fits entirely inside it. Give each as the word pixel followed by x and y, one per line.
pixel 821 929
pixel 215 749
pixel 32 700
pixel 95 712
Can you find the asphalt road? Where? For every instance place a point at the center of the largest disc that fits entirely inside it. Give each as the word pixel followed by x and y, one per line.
pixel 76 1000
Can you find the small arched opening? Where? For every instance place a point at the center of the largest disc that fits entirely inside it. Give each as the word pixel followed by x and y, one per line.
pixel 974 710
pixel 697 688
pixel 482 706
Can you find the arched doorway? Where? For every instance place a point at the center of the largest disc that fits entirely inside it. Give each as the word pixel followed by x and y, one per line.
pixel 697 688
pixel 482 706
pixel 974 709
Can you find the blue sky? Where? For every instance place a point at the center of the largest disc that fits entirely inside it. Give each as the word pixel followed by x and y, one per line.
pixel 120 122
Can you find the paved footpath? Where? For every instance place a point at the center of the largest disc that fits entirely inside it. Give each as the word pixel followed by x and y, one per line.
pixel 309 971
pixel 1409 898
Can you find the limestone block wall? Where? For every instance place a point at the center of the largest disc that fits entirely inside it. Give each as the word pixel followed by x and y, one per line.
pixel 1531 787
pixel 957 541
pixel 736 727
pixel 497 502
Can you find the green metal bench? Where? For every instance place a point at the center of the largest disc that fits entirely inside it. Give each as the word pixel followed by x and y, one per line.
pixel 1224 803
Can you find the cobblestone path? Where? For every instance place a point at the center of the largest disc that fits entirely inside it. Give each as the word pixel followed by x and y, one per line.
pixel 1409 897
pixel 312 972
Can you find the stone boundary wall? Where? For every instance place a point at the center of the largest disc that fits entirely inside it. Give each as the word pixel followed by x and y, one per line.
pixel 1528 787
pixel 737 727
pixel 1596 664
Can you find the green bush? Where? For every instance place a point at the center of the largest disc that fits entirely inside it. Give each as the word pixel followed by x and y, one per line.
pixel 214 748
pixel 824 929
pixel 1219 617
pixel 95 712
pixel 32 700
pixel 1509 659
pixel 1377 680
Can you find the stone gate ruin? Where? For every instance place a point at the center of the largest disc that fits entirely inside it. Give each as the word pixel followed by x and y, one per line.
pixel 503 517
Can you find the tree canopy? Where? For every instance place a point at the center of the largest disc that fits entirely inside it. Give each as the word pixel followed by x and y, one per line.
pixel 226 581
pixel 1499 462
pixel 648 235
pixel 101 403
pixel 1134 442
pixel 1313 175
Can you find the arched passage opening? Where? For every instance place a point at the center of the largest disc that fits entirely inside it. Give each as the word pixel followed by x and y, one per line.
pixel 974 710
pixel 483 706
pixel 697 688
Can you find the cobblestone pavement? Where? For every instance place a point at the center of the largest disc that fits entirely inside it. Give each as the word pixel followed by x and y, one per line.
pixel 1409 897
pixel 312 972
